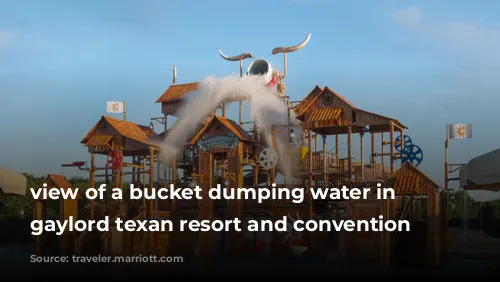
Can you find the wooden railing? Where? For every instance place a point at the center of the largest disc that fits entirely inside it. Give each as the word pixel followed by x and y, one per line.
pixel 126 242
pixel 84 241
pixel 319 161
pixel 338 169
pixel 187 155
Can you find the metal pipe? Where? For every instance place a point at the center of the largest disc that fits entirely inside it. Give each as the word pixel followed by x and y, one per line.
pixel 143 166
pixel 383 154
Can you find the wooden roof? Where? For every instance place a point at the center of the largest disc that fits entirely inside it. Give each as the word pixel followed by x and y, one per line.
pixel 316 97
pixel 176 92
pixel 409 180
pixel 58 181
pixel 302 104
pixel 350 116
pixel 99 140
pixel 319 115
pixel 233 126
pixel 204 122
pixel 131 130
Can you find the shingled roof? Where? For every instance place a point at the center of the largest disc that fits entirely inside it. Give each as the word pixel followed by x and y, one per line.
pixel 176 92
pixel 131 130
pixel 409 180
pixel 230 124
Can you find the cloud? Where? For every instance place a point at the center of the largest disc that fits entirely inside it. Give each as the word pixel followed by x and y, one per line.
pixel 410 17
pixel 27 41
pixel 456 35
pixel 7 37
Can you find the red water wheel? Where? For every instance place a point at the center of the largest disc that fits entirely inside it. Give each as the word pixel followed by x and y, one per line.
pixel 114 160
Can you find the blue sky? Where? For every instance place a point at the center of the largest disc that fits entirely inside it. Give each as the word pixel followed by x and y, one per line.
pixel 426 63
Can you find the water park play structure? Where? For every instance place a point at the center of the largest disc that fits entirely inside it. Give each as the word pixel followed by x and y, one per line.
pixel 246 153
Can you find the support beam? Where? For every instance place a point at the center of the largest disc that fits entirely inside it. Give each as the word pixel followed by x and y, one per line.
pixel 349 152
pixel 362 157
pixel 92 183
pixel 391 143
pixel 382 149
pixel 325 163
pixel 310 157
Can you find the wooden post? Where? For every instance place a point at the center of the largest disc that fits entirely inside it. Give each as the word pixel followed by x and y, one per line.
pixel 362 155
pixel 391 149
pixel 92 183
pixel 310 156
pixel 165 128
pixel 382 151
pixel 437 228
pixel 241 113
pixel 337 157
pixel 385 236
pixel 316 142
pixel 151 180
pixel 349 152
pixel 325 163
pixel 120 184
pixel 134 176
pixel 433 226
pixel 446 197
pixel 372 157
pixel 151 247
pixel 402 136
pixel 39 214
pixel 273 145
pixel 444 230
pixel 174 170
pixel 235 239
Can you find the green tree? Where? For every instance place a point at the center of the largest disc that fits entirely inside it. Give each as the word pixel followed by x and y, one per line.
pixel 13 204
pixel 456 206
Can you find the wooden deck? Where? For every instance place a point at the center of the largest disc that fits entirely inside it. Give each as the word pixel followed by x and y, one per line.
pixel 330 165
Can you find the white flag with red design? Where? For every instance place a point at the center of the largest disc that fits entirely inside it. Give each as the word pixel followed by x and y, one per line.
pixel 460 131
pixel 115 107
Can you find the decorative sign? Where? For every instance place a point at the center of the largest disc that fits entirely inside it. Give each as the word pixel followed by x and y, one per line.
pixel 328 98
pixel 224 141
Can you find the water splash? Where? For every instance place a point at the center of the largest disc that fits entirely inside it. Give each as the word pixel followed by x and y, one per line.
pixel 267 109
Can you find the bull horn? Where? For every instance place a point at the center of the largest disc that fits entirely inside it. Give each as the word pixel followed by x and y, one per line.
pixel 290 49
pixel 236 58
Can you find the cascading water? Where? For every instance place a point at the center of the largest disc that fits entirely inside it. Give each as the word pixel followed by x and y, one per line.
pixel 267 109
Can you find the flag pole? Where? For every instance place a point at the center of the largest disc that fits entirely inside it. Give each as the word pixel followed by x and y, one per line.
pixel 124 110
pixel 447 140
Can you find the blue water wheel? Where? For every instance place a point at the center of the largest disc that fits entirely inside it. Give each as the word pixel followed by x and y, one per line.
pixel 413 154
pixel 397 142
